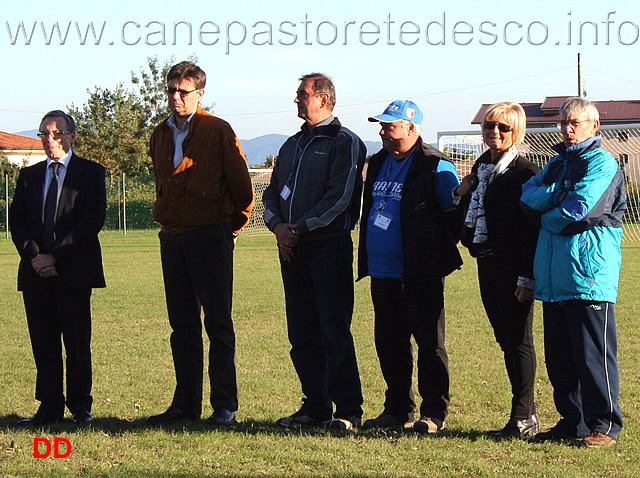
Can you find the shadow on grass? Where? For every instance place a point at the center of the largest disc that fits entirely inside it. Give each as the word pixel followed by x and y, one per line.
pixel 114 425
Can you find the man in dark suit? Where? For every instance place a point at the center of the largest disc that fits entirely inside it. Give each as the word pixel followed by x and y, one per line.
pixel 57 212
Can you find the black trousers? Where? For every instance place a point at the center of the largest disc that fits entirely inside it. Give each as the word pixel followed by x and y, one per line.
pixel 54 312
pixel 318 286
pixel 512 323
pixel 402 311
pixel 197 267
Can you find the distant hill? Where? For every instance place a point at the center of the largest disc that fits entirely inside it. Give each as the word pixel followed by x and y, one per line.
pixel 256 149
pixel 31 133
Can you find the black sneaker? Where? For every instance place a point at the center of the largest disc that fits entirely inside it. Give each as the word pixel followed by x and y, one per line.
pixel 427 425
pixel 516 428
pixel 299 420
pixel 386 421
pixel 556 433
pixel 350 423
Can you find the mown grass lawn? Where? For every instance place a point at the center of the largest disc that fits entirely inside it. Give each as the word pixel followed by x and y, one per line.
pixel 133 378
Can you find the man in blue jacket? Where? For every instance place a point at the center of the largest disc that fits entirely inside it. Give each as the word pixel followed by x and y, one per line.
pixel 579 199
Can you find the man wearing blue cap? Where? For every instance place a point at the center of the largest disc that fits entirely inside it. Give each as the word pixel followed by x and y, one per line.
pixel 408 245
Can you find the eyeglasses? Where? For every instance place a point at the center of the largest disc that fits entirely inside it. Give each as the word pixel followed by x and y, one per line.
pixel 504 128
pixel 574 123
pixel 172 91
pixel 56 134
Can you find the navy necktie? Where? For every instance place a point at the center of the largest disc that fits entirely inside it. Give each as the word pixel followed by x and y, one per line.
pixel 50 204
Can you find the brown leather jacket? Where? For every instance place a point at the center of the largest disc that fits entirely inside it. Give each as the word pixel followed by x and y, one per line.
pixel 210 186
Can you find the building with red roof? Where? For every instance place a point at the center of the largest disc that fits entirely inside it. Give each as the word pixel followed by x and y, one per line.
pixel 21 150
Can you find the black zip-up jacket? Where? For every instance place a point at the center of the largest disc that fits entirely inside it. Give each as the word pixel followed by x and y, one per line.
pixel 429 234
pixel 323 171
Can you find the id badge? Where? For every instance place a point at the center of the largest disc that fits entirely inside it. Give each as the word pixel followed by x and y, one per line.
pixel 285 193
pixel 382 221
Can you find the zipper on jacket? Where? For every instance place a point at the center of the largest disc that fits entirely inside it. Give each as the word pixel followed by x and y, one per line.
pixel 295 181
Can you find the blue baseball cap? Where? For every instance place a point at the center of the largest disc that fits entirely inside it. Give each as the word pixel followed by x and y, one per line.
pixel 399 110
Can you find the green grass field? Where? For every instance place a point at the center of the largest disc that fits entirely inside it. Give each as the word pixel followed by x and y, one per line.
pixel 133 378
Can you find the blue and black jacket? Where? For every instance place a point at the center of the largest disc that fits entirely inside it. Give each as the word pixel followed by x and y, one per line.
pixel 578 199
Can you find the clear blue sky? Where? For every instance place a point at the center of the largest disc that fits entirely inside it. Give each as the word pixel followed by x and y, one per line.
pixel 449 58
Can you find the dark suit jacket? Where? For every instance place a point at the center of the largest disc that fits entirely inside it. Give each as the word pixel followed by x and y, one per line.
pixel 79 217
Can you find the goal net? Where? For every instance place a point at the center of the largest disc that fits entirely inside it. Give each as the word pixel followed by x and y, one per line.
pixel 256 226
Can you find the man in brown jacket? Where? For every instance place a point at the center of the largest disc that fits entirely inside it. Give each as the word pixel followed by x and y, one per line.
pixel 204 197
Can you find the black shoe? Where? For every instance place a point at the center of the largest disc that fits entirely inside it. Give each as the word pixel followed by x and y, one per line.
pixel 428 425
pixel 517 428
pixel 300 420
pixel 171 415
pixel 82 417
pixel 41 418
pixel 556 433
pixel 222 417
pixel 386 421
pixel 350 423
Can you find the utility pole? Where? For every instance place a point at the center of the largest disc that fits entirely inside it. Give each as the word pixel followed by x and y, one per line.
pixel 580 91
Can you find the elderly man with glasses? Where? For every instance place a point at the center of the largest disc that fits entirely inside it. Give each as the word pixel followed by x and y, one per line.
pixel 57 212
pixel 579 199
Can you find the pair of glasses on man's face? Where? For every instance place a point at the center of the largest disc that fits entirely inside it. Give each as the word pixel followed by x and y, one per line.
pixel 56 134
pixel 172 91
pixel 504 128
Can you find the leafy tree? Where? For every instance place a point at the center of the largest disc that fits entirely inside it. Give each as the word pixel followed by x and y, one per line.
pixel 111 131
pixel 152 94
pixel 151 86
pixel 7 168
pixel 114 126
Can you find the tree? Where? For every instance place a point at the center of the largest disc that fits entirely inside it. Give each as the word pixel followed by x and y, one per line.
pixel 112 132
pixel 114 126
pixel 152 92
pixel 7 168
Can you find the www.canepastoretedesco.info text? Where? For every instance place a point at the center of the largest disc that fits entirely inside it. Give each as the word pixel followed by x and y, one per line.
pixel 230 34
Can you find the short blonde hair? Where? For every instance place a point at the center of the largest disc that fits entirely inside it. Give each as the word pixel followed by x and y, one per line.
pixel 512 114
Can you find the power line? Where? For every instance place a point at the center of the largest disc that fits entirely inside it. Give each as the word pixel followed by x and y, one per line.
pixel 368 103
pixel 613 76
pixel 355 105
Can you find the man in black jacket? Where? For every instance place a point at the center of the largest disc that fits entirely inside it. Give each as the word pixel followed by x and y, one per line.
pixel 311 205
pixel 407 246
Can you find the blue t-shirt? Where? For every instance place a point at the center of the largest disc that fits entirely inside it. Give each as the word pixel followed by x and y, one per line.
pixel 384 236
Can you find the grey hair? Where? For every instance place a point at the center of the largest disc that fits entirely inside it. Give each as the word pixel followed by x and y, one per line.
pixel 416 126
pixel 322 84
pixel 579 105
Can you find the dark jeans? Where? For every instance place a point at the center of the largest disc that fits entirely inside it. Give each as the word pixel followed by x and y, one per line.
pixel 401 311
pixel 198 274
pixel 54 310
pixel 512 323
pixel 580 349
pixel 318 286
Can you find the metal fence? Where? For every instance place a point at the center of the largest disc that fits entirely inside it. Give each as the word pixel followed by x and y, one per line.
pixel 130 203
